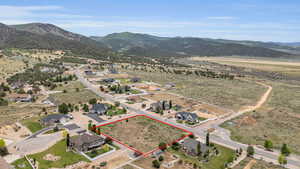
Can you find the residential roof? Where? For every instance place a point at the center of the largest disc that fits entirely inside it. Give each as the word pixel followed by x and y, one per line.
pixel 108 80
pixel 186 114
pixel 191 145
pixel 99 107
pixel 95 117
pixel 85 138
pixel 54 117
pixel 72 126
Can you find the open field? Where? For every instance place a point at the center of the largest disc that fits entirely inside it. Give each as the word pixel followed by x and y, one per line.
pixel 284 67
pixel 278 120
pixel 16 111
pixel 59 151
pixel 44 55
pixel 71 86
pixel 142 133
pixel 231 94
pixel 74 97
pixel 10 66
pixel 190 105
pixel 256 164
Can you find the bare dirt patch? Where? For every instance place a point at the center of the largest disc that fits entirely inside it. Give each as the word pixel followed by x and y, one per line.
pixel 142 133
pixel 51 157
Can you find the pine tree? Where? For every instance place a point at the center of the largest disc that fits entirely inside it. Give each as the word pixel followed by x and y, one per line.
pixel 207 139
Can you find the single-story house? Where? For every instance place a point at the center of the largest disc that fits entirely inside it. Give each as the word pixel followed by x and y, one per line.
pixel 187 116
pixel 53 119
pixel 86 142
pixel 190 146
pixel 15 97
pixel 99 109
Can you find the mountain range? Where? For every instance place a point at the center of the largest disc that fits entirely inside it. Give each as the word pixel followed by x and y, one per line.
pixel 48 36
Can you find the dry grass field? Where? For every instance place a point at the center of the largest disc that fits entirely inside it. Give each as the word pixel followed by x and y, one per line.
pixel 230 94
pixel 43 55
pixel 256 164
pixel 278 120
pixel 74 97
pixel 72 85
pixel 16 111
pixel 284 67
pixel 9 67
pixel 191 105
pixel 142 133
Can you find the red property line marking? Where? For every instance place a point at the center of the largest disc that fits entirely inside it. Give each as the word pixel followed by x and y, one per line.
pixel 137 151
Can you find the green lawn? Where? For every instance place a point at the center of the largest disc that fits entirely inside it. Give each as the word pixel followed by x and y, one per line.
pixel 32 124
pixel 23 163
pixel 115 112
pixel 215 162
pixel 134 91
pixel 59 149
pixel 97 152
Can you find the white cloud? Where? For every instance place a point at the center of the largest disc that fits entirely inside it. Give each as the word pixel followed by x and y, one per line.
pixel 43 12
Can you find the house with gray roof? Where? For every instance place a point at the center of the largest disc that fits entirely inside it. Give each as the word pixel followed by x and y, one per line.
pixel 86 142
pixel 187 116
pixel 190 146
pixel 99 109
pixel 53 119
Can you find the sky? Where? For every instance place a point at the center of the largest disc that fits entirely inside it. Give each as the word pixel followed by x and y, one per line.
pixel 261 20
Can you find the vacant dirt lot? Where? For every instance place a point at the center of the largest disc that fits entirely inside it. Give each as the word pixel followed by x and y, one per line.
pixel 142 133
pixel 185 103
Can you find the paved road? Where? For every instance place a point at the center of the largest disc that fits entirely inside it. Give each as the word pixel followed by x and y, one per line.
pixel 39 132
pixel 293 163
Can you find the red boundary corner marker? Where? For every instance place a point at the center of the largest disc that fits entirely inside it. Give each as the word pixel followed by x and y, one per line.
pixel 132 148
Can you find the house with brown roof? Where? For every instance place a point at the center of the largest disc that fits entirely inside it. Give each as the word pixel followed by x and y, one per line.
pixel 86 142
